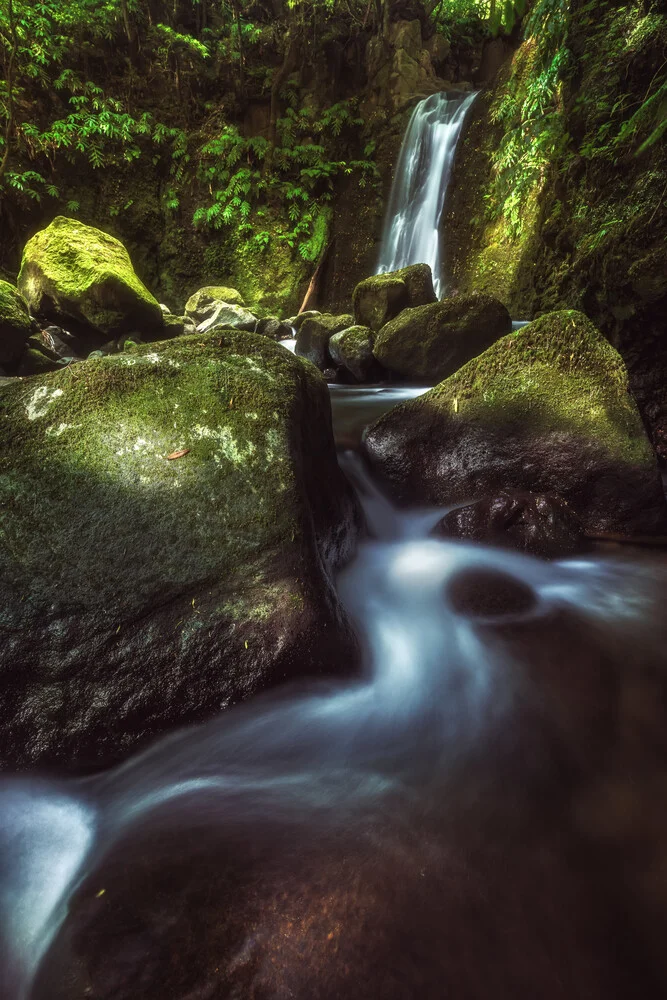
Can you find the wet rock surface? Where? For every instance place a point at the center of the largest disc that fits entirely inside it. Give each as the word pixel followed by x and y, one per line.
pixel 353 349
pixel 380 298
pixel 546 410
pixel 538 524
pixel 314 334
pixel 428 343
pixel 171 543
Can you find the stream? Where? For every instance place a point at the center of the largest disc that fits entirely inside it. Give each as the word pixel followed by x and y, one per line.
pixel 412 834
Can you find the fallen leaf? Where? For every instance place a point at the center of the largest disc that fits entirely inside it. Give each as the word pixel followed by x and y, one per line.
pixel 178 454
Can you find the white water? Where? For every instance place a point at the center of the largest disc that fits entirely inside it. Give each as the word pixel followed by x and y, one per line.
pixel 419 189
pixel 434 692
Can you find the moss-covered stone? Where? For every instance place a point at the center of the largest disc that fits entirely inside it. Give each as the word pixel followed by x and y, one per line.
pixel 72 273
pixel 314 334
pixel 353 349
pixel 428 343
pixel 202 304
pixel 15 326
pixel 164 542
pixel 545 409
pixel 380 298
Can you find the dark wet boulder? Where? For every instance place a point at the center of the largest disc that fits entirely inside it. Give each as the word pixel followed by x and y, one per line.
pixel 314 334
pixel 297 321
pixel 378 299
pixel 15 324
pixel 75 275
pixel 204 302
pixel 353 350
pixel 545 409
pixel 274 328
pixel 539 524
pixel 428 343
pixel 167 543
pixel 225 316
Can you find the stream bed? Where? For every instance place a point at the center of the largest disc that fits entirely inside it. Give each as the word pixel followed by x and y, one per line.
pixel 432 830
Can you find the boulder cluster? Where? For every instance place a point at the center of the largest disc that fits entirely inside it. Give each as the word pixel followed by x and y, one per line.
pixel 399 330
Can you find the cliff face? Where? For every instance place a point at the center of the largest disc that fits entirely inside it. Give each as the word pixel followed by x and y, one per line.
pixel 560 184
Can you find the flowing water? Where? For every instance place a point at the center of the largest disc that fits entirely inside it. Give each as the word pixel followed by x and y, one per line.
pixel 393 837
pixel 419 189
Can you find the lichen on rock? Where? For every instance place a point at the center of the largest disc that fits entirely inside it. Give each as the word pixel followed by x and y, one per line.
pixel 165 542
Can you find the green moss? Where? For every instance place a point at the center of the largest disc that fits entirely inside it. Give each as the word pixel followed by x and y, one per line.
pixel 70 269
pixel 105 428
pixel 559 373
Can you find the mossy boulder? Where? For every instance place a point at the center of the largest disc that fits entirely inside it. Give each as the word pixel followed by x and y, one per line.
pixel 353 350
pixel 15 325
pixel 229 317
pixel 314 334
pixel 545 409
pixel 378 299
pixel 202 304
pixel 165 543
pixel 428 343
pixel 81 277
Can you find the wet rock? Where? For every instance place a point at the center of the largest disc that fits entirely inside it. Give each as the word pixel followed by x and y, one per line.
pixel 274 328
pixel 226 316
pixel 541 525
pixel 489 593
pixel 297 321
pixel 171 543
pixel 175 326
pixel 75 274
pixel 429 343
pixel 203 303
pixel 545 409
pixel 34 361
pixel 58 343
pixel 15 324
pixel 313 335
pixel 378 299
pixel 353 349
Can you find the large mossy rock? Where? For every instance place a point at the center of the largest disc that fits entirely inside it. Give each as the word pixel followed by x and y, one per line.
pixel 314 334
pixel 428 343
pixel 165 543
pixel 378 299
pixel 545 409
pixel 203 303
pixel 75 274
pixel 15 325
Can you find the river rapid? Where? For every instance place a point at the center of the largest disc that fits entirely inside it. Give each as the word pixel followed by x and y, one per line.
pixel 439 828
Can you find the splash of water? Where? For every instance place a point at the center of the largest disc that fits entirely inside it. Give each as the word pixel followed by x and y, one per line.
pixel 419 189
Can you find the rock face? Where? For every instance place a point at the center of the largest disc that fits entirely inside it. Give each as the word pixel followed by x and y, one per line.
pixel 530 522
pixel 203 303
pixel 429 343
pixel 72 273
pixel 545 409
pixel 314 334
pixel 399 66
pixel 224 315
pixel 170 543
pixel 15 325
pixel 353 349
pixel 378 299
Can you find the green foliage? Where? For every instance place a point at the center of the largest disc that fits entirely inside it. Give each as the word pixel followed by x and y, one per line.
pixel 299 178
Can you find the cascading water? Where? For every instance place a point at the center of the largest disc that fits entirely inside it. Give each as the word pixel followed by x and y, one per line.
pixel 419 189
pixel 397 837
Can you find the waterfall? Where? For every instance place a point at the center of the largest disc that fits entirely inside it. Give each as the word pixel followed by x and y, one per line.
pixel 419 189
